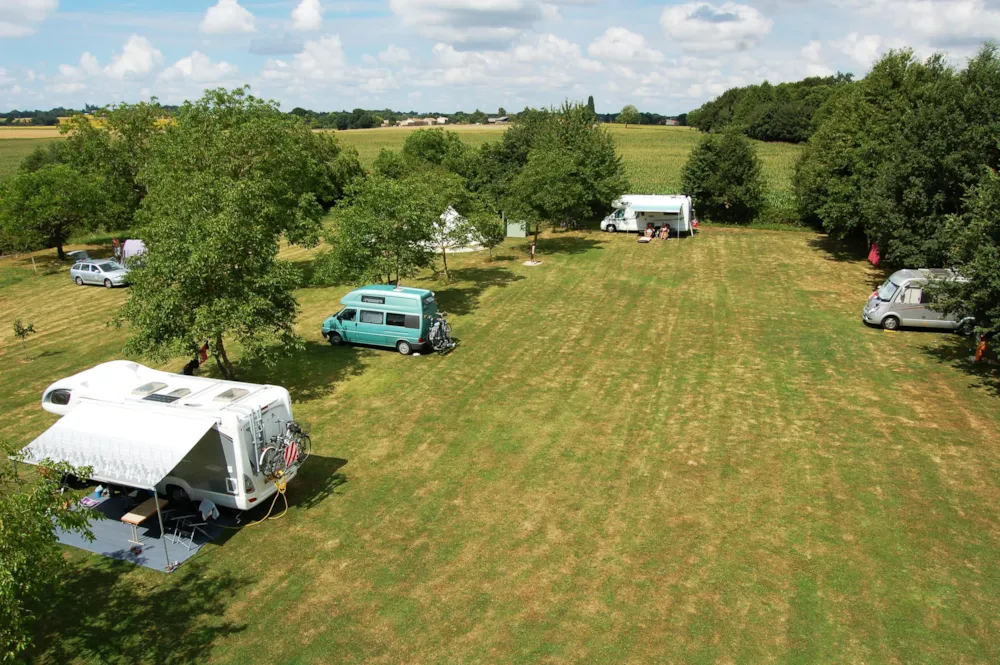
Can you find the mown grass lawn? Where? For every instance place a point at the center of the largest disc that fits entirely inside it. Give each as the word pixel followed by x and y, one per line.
pixel 691 452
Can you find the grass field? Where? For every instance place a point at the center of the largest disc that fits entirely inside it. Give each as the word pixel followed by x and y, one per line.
pixel 654 156
pixel 691 452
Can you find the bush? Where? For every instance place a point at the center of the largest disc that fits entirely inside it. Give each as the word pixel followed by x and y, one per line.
pixel 723 175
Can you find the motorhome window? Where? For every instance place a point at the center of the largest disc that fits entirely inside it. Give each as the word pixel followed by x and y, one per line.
pixel 371 317
pixel 375 300
pixel 392 319
pixel 347 315
pixel 149 388
pixel 59 397
pixel 887 290
pixel 912 296
pixel 231 395
pixel 926 298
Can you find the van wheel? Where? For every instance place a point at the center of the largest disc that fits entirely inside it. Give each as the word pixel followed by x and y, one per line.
pixel 404 348
pixel 890 323
pixel 177 495
pixel 79 281
pixel 336 339
pixel 611 228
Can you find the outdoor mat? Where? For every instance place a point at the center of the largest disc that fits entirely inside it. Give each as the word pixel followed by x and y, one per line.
pixel 111 536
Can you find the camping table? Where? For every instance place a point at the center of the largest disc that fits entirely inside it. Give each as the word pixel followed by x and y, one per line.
pixel 140 514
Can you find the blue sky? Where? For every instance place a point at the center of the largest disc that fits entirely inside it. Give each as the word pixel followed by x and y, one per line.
pixel 446 55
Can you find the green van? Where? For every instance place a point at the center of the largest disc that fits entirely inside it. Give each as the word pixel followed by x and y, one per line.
pixel 384 315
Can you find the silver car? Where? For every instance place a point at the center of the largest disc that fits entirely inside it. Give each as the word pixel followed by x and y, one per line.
pixel 102 272
pixel 903 301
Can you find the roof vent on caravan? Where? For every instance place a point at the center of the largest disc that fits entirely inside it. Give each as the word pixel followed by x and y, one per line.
pixel 167 398
pixel 232 395
pixel 149 388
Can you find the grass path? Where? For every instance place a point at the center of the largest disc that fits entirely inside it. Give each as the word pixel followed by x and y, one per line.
pixel 686 452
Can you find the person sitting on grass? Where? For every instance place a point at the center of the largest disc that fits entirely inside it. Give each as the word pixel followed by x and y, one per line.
pixel 665 232
pixel 648 234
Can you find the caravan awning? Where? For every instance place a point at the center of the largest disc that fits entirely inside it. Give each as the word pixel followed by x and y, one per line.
pixel 123 445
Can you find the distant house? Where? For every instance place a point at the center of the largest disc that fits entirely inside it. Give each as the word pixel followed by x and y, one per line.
pixel 442 120
pixel 500 120
pixel 386 123
pixel 670 122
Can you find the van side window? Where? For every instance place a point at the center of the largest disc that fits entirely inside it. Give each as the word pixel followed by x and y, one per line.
pixel 348 315
pixel 392 319
pixel 368 316
pixel 912 295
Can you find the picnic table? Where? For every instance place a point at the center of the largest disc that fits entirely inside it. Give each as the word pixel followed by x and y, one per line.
pixel 140 514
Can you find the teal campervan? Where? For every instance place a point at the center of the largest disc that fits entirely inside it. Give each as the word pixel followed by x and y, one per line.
pixel 384 315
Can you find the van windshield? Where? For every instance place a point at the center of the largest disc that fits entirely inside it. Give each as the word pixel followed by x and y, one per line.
pixel 887 290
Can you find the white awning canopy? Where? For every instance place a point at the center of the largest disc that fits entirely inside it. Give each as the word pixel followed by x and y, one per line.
pixel 123 445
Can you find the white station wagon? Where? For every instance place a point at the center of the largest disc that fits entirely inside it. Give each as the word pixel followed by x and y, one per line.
pixel 101 272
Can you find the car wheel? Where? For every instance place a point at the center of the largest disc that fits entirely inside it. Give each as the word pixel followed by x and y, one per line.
pixel 404 348
pixel 336 339
pixel 108 284
pixel 890 323
pixel 611 228
pixel 177 495
pixel 79 281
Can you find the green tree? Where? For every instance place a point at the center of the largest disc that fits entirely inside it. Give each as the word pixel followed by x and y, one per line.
pixel 629 115
pixel 724 177
pixel 114 146
pixel 488 230
pixel 436 147
pixel 975 252
pixel 549 191
pixel 477 117
pixel 227 180
pixel 590 104
pixel 42 208
pixel 502 111
pixel 21 332
pixel 31 561
pixel 382 232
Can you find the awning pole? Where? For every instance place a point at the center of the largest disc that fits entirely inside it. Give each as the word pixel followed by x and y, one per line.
pixel 163 532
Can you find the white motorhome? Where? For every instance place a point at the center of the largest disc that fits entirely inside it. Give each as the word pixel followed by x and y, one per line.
pixel 634 211
pixel 187 437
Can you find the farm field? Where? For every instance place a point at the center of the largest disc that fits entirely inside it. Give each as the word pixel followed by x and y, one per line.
pixel 654 156
pixel 688 452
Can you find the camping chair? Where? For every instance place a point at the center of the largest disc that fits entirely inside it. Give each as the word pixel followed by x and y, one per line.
pixel 187 526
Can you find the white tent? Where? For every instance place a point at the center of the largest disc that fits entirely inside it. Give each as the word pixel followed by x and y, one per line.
pixel 132 248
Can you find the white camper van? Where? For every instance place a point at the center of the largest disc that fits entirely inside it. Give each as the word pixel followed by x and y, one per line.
pixel 186 437
pixel 633 211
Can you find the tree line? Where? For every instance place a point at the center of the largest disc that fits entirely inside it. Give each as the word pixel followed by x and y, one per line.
pixel 788 112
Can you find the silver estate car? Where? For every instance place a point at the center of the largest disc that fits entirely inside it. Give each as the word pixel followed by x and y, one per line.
pixel 102 272
pixel 902 301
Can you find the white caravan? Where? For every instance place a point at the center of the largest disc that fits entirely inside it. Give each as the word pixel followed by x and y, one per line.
pixel 634 211
pixel 186 437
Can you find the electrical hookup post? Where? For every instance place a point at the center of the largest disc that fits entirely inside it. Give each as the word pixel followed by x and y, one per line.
pixel 532 261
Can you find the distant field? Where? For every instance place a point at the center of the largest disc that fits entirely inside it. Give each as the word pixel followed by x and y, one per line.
pixel 654 156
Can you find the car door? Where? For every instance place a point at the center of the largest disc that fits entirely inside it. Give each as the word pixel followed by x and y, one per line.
pixel 371 327
pixel 88 273
pixel 349 325
pixel 910 309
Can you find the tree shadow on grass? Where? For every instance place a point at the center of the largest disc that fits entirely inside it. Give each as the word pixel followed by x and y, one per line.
pixel 567 244
pixel 461 300
pixel 958 352
pixel 103 615
pixel 312 372
pixel 850 250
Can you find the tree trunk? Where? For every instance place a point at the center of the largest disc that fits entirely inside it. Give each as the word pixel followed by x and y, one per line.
pixel 59 250
pixel 222 359
pixel 444 259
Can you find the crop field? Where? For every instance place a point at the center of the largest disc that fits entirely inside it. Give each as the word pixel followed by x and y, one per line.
pixel 654 156
pixel 687 452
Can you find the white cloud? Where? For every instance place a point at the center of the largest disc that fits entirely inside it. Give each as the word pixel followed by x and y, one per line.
pixel 308 15
pixel 227 17
pixel 89 66
pixel 702 26
pixel 490 23
pixel 320 59
pixel 18 17
pixel 553 50
pixel 394 55
pixel 866 49
pixel 198 68
pixel 938 22
pixel 138 58
pixel 813 55
pixel 621 45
